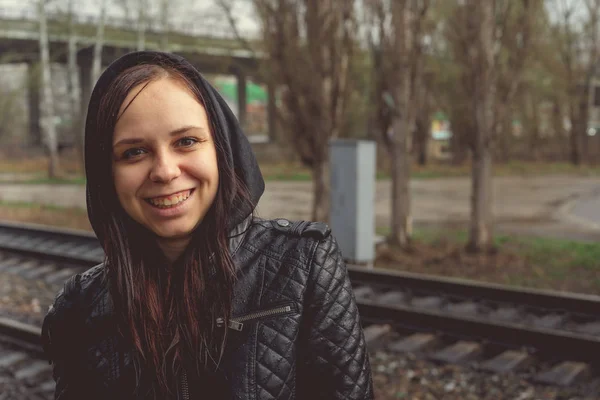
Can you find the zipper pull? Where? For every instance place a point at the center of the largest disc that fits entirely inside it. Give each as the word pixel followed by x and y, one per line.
pixel 235 325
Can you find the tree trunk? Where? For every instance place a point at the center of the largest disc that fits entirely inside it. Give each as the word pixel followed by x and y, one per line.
pixel 574 137
pixel 584 112
pixel 505 130
pixel 321 191
pixel 74 92
pixel 164 37
pixel 533 129
pixel 481 200
pixel 405 87
pixel 47 101
pixel 480 235
pixel 422 129
pixel 401 223
pixel 561 139
pixel 97 60
pixel 141 25
pixel 463 127
pixel 422 133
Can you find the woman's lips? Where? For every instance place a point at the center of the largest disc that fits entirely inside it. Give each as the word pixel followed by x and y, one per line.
pixel 170 201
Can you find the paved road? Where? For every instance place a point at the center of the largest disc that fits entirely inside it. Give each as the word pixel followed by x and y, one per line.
pixel 586 210
pixel 529 205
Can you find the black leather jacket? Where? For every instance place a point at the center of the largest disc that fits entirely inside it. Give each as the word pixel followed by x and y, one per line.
pixel 295 331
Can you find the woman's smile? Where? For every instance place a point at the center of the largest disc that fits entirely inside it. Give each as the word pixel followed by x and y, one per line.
pixel 170 201
pixel 175 205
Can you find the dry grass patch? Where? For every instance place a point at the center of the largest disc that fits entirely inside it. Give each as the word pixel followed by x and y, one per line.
pixel 38 165
pixel 534 262
pixel 71 168
pixel 74 218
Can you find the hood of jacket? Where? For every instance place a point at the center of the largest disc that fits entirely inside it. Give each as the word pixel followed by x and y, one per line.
pixel 98 145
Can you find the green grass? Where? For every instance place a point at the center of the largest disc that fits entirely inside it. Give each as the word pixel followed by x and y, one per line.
pixel 522 168
pixel 298 173
pixel 300 176
pixel 521 260
pixel 561 254
pixel 556 253
pixel 32 206
pixel 291 172
pixel 80 180
pixel 72 217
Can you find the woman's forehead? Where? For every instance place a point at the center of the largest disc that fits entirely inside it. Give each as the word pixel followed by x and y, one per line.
pixel 160 106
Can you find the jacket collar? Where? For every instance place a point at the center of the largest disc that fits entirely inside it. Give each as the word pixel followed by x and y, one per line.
pixel 237 234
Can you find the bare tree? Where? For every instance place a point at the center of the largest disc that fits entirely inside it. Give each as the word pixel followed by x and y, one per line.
pixel 481 15
pixel 490 43
pixel 47 119
pixel 74 88
pixel 97 59
pixel 310 44
pixel 397 45
pixel 136 13
pixel 141 24
pixel 164 23
pixel 576 37
pixel 513 35
pixel 227 8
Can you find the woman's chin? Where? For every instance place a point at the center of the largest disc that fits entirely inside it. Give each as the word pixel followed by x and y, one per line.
pixel 173 234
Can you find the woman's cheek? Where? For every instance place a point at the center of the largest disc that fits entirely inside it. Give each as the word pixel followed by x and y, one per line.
pixel 127 182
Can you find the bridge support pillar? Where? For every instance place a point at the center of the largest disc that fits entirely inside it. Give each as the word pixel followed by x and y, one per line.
pixel 33 94
pixel 241 95
pixel 85 81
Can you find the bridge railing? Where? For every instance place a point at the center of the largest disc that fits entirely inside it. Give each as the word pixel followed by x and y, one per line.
pixel 204 29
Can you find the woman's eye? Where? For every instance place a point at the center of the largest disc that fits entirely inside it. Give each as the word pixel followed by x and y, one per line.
pixel 186 142
pixel 132 153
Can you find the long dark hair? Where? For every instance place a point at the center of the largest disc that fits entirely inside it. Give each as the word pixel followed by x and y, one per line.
pixel 168 315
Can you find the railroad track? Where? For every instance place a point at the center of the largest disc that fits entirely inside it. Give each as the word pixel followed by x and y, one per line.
pixel 52 255
pixel 492 327
pixel 24 372
pixel 49 244
pixel 497 328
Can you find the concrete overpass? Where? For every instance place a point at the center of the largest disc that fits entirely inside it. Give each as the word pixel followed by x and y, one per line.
pixel 211 52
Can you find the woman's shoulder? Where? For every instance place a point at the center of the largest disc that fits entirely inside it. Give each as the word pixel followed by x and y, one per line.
pixel 67 314
pixel 78 293
pixel 283 237
pixel 306 229
pixel 83 287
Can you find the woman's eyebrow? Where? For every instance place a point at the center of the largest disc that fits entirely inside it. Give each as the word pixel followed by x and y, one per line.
pixel 176 132
pixel 185 129
pixel 128 141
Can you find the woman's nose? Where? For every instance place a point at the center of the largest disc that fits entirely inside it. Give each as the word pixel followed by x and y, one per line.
pixel 164 169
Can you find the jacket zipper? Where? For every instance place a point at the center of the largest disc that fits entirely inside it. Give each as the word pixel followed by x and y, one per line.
pixel 185 390
pixel 237 324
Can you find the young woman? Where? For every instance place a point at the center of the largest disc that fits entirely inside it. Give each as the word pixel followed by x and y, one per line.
pixel 197 298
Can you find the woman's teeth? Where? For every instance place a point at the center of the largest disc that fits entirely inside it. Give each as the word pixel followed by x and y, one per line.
pixel 170 201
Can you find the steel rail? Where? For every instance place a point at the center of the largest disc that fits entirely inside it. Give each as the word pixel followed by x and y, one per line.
pixel 23 335
pixel 60 245
pixel 560 344
pixel 477 291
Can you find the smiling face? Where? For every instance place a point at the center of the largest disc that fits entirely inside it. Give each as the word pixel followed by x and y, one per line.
pixel 164 159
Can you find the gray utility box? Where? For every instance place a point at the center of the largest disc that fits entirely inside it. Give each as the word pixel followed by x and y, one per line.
pixel 353 198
